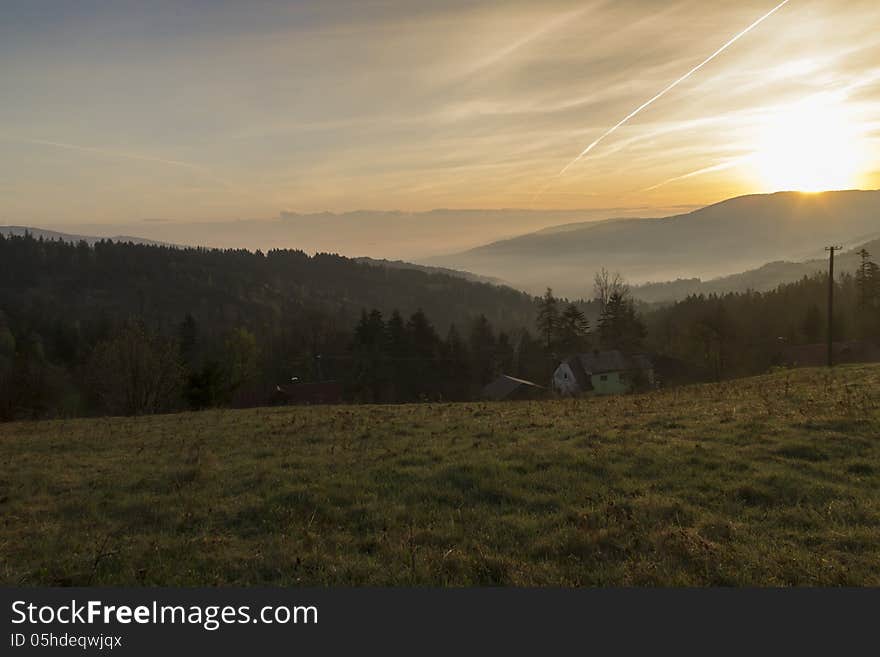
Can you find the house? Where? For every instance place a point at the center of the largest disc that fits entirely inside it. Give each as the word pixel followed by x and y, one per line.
pixel 602 373
pixel 510 388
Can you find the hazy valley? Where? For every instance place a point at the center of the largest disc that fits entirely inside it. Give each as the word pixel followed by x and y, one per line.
pixel 727 238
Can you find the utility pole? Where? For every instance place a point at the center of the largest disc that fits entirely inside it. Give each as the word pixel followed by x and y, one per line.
pixel 831 250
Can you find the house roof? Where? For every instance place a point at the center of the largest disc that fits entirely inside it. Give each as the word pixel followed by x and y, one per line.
pixel 505 385
pixel 580 375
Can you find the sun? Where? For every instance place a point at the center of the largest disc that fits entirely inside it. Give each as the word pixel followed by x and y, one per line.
pixel 810 146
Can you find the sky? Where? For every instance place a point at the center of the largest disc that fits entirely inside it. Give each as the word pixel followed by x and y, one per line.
pixel 210 110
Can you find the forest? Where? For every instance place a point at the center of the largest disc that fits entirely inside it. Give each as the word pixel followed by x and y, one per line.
pixel 128 329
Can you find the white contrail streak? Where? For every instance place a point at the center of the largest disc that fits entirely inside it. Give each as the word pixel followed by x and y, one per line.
pixel 204 172
pixel 673 85
pixel 699 172
pixel 104 151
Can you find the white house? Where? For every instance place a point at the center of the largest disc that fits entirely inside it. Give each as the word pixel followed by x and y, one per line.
pixel 602 373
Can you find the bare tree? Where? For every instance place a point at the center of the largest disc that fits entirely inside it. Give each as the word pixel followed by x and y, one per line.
pixel 606 285
pixel 136 372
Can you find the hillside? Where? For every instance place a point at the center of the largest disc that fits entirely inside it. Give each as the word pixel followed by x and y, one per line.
pixel 114 280
pixel 766 481
pixel 381 234
pixel 42 233
pixel 722 239
pixel 761 279
pixel 400 264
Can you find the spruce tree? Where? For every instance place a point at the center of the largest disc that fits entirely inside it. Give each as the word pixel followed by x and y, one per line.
pixel 548 318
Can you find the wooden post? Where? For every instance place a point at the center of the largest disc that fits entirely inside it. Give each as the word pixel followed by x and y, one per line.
pixel 831 250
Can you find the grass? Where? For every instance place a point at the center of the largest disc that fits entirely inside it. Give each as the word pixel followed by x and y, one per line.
pixel 766 481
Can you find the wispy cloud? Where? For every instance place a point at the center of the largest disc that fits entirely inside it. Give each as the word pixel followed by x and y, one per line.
pixel 395 104
pixel 671 86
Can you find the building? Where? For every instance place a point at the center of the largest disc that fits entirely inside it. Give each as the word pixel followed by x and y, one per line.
pixel 507 388
pixel 603 373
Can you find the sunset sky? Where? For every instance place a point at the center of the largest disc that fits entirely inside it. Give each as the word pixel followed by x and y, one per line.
pixel 211 110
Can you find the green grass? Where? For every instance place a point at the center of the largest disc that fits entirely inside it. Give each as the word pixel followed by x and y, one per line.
pixel 766 481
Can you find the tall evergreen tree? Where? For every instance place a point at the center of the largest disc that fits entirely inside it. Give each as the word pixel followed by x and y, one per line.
pixel 369 350
pixel 483 345
pixel 548 318
pixel 425 343
pixel 866 279
pixel 813 324
pixel 456 366
pixel 619 325
pixel 574 330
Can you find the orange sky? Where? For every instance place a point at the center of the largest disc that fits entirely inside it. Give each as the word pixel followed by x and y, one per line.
pixel 218 111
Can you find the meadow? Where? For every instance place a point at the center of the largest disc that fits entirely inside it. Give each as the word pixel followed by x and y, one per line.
pixel 767 481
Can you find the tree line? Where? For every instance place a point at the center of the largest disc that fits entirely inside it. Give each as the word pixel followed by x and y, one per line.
pixel 131 329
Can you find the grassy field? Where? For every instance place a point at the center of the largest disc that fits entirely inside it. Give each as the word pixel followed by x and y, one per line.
pixel 767 481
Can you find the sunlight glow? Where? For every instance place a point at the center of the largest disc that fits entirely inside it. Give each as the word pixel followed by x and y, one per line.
pixel 811 146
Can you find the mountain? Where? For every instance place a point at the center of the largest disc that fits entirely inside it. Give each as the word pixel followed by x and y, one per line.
pixel 719 240
pixel 389 235
pixel 762 279
pixel 43 283
pixel 71 237
pixel 41 233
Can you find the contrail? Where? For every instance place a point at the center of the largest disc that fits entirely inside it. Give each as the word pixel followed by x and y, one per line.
pixel 673 85
pixel 104 151
pixel 699 172
pixel 205 172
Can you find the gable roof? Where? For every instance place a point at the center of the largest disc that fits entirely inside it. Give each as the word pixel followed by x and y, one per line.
pixel 580 375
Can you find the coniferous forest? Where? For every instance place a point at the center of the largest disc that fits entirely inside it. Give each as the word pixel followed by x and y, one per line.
pixel 127 329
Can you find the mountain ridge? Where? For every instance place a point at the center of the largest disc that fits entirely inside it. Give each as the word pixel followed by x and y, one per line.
pixel 725 238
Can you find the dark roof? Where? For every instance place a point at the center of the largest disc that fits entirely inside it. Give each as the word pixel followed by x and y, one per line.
pixel 505 386
pixel 580 376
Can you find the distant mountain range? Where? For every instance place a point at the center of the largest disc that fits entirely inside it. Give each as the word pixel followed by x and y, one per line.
pixel 91 239
pixel 761 279
pixel 385 234
pixel 751 242
pixel 72 237
pixel 733 236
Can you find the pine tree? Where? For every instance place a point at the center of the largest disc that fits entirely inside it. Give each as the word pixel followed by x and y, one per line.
pixel 619 325
pixel 369 366
pixel 456 365
pixel 868 287
pixel 425 344
pixel 548 318
pixel 188 333
pixel 504 354
pixel 866 279
pixel 483 347
pixel 813 324
pixel 574 329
